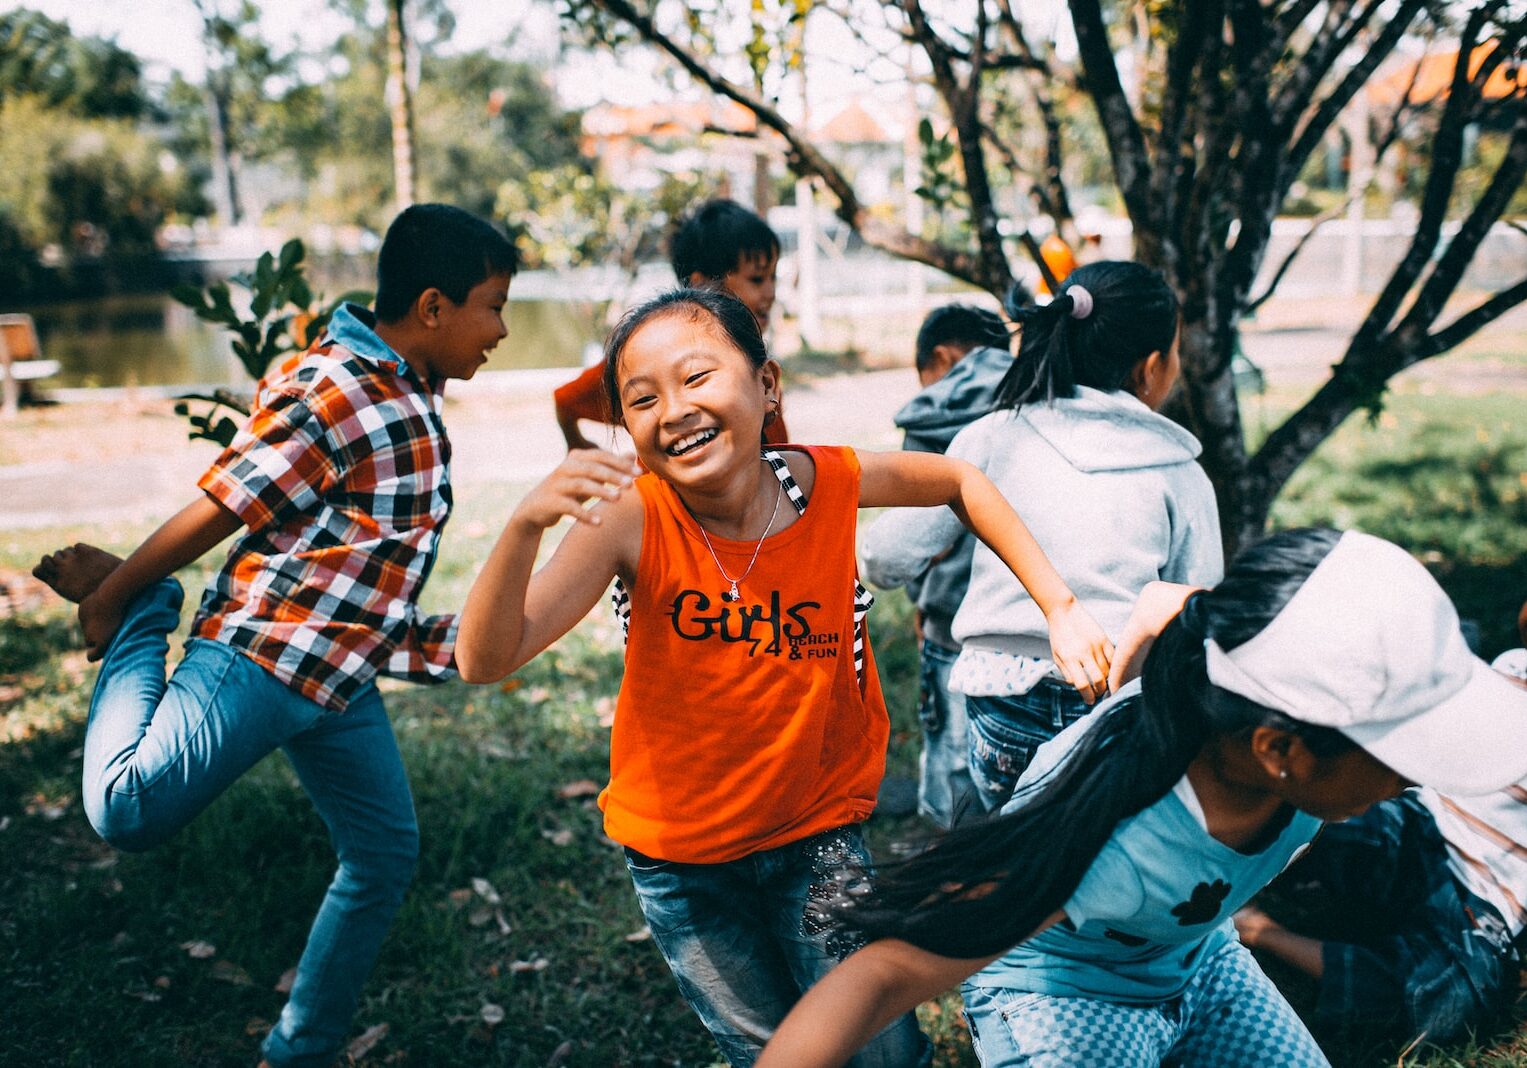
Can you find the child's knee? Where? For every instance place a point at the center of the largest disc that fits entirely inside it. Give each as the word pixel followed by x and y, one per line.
pixel 120 821
pixel 385 867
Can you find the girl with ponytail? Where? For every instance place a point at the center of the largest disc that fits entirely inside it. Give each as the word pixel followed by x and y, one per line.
pixel 1110 488
pixel 1091 920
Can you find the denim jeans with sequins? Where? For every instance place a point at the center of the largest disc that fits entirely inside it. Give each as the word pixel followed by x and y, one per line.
pixel 744 941
pixel 1006 730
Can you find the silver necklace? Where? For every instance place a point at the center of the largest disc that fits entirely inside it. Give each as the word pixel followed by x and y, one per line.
pixel 732 596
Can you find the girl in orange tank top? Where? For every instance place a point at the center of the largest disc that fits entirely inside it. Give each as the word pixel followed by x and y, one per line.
pixel 750 733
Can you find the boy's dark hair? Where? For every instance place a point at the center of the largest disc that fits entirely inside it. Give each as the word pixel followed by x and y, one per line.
pixel 987 886
pixel 436 245
pixel 716 237
pixel 734 319
pixel 1134 313
pixel 959 324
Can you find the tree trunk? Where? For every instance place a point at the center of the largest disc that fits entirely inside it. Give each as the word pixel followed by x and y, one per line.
pixel 401 103
pixel 225 190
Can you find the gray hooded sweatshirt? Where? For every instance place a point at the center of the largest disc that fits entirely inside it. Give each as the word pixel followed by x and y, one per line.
pixel 1110 490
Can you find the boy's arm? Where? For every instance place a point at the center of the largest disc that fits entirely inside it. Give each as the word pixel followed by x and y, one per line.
pixel 186 537
pixel 1078 645
pixel 900 545
pixel 582 398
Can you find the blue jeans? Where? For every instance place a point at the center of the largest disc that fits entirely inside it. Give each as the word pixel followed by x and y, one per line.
pixel 1229 1016
pixel 944 766
pixel 744 943
pixel 1407 948
pixel 1005 731
pixel 157 753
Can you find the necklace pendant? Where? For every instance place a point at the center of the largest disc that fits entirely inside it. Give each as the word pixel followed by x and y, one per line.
pixel 731 596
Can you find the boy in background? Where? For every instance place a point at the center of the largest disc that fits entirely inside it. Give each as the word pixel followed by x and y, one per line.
pixel 720 244
pixel 961 357
pixel 340 478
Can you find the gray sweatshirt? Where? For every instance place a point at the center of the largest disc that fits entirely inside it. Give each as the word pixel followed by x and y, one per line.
pixel 1111 491
pixel 931 419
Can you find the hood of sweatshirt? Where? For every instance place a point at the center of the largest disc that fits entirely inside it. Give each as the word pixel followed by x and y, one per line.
pixel 1098 431
pixel 933 417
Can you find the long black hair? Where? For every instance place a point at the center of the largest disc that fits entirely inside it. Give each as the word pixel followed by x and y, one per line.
pixel 1133 314
pixel 730 315
pixel 989 885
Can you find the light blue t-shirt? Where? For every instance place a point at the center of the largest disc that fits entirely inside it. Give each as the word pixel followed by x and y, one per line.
pixel 1156 901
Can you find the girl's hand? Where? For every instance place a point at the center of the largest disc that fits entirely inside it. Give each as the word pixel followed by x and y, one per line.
pixel 1157 605
pixel 1080 649
pixel 586 474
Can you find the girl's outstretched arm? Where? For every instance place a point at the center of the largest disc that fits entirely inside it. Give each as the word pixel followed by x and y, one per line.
pixel 1078 645
pixel 511 616
pixel 858 998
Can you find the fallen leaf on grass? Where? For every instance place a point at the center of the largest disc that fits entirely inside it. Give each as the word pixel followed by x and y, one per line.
pixel 492 1014
pixel 459 897
pixel 510 684
pixel 484 889
pixel 560 1055
pixel 5 823
pixel 199 950
pixel 49 808
pixel 257 1027
pixel 149 996
pixel 580 788
pixel 363 1045
pixel 560 837
pixel 287 980
pixel 479 917
pixel 642 934
pixel 503 925
pixel 163 982
pixel 520 967
pixel 226 971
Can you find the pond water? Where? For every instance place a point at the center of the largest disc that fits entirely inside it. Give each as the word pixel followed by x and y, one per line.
pixel 149 340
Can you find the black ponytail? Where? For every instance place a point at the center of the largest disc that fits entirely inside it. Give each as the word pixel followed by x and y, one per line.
pixel 987 886
pixel 1133 313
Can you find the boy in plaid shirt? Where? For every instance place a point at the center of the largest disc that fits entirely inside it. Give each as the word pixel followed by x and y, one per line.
pixel 341 478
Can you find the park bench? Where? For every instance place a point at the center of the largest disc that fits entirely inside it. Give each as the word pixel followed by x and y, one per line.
pixel 21 361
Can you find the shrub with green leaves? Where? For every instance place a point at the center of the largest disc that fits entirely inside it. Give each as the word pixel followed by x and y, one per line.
pixel 284 316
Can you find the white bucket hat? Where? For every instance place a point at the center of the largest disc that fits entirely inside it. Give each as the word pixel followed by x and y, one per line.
pixel 1370 645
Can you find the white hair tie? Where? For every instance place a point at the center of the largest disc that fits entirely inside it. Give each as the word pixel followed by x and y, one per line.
pixel 1081 302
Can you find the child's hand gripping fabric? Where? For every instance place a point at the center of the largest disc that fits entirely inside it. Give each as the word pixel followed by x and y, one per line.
pixel 1080 649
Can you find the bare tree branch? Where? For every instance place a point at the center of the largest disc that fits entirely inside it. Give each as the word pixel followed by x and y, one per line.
pixel 1126 142
pixel 1477 318
pixel 806 160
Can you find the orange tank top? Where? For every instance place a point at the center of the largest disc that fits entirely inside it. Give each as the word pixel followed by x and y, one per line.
pixel 745 726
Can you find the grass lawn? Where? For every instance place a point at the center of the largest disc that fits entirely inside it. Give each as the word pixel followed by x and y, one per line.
pixel 521 942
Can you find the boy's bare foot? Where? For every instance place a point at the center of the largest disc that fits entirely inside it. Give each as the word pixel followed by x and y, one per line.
pixel 75 572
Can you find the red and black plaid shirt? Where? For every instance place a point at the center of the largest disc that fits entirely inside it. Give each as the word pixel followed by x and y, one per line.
pixel 341 476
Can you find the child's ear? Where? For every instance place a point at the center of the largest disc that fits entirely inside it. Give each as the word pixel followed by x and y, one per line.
pixel 696 280
pixel 1144 375
pixel 427 306
pixel 769 375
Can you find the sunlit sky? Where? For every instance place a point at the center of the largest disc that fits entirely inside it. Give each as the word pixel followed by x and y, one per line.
pixel 164 33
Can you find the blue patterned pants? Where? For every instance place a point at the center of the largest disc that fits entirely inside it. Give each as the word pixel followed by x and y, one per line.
pixel 1230 1016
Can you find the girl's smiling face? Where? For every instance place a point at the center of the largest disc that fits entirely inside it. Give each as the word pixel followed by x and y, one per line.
pixel 692 401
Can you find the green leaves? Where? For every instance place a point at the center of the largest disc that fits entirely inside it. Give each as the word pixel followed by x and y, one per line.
pixel 281 319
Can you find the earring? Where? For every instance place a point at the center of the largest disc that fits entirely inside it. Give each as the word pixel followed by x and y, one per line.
pixel 1283 775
